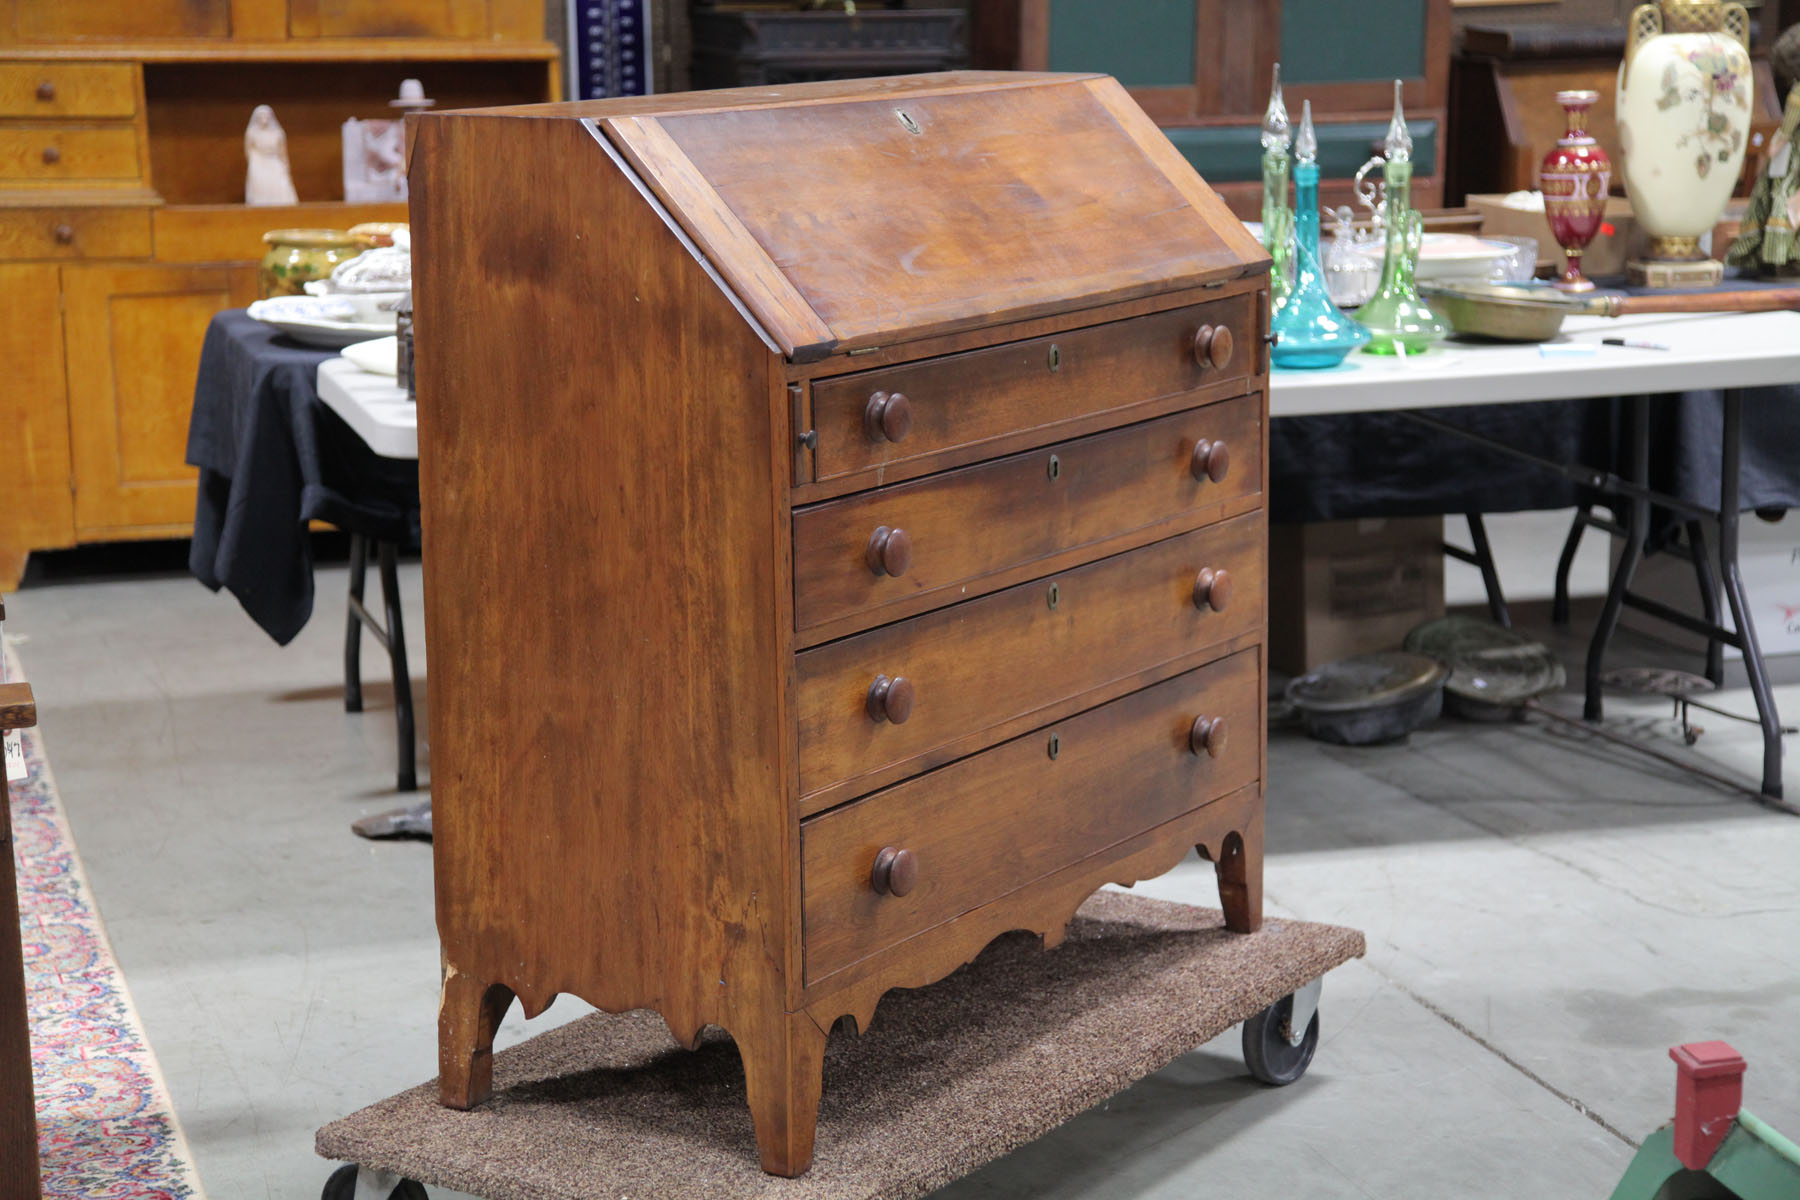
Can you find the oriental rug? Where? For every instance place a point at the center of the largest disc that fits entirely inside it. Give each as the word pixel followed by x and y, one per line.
pixel 106 1127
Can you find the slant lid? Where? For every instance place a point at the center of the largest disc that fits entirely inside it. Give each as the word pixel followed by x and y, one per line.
pixel 847 215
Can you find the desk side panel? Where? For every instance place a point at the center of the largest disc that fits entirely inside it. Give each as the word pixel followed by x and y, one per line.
pixel 602 598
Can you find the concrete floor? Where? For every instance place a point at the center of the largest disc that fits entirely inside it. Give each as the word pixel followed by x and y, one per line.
pixel 1545 916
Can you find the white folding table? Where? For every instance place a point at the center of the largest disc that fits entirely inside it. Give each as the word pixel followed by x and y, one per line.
pixel 1705 352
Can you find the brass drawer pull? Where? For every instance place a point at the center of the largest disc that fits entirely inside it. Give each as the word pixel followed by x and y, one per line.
pixel 1212 460
pixel 1207 736
pixel 888 417
pixel 1212 589
pixel 895 871
pixel 1212 347
pixel 890 699
pixel 889 552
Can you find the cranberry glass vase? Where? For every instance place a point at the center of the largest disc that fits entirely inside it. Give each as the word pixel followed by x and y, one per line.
pixel 1574 178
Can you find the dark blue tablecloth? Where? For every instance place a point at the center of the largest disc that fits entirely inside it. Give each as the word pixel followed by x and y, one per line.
pixel 273 457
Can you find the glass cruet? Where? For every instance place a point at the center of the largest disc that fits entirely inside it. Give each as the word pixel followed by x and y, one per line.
pixel 1277 218
pixel 1310 331
pixel 1398 321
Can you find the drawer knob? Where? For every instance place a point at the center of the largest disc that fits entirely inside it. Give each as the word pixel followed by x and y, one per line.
pixel 1207 736
pixel 46 90
pixel 895 871
pixel 890 699
pixel 888 417
pixel 1212 460
pixel 64 233
pixel 1212 589
pixel 890 551
pixel 1212 347
pixel 52 155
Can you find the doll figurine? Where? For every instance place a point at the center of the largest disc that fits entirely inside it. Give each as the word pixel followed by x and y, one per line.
pixel 266 176
pixel 1767 241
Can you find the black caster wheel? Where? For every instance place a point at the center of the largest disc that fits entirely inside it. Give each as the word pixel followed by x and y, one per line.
pixel 1268 1051
pixel 342 1186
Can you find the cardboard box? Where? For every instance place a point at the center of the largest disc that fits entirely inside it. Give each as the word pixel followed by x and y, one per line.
pixel 1605 255
pixel 1768 558
pixel 1341 588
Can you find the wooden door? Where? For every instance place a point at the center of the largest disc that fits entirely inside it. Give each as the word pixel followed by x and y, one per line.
pixel 37 510
pixel 134 338
pixel 388 18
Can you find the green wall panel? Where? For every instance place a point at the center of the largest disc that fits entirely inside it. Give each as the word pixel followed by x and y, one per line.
pixel 1234 154
pixel 1141 43
pixel 1331 41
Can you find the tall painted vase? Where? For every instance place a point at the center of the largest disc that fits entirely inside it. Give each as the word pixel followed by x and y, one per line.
pixel 1684 121
pixel 1574 178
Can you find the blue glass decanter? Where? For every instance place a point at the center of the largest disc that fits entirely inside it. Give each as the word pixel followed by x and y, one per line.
pixel 1310 331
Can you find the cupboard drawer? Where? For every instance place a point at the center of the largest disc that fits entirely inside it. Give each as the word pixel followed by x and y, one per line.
pixel 965 399
pixel 74 233
pixel 884 547
pixel 989 824
pixel 971 667
pixel 30 89
pixel 66 153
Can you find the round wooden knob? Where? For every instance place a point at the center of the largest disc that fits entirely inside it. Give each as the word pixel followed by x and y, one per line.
pixel 52 155
pixel 891 699
pixel 1207 736
pixel 888 417
pixel 1212 347
pixel 1212 460
pixel 895 871
pixel 1212 589
pixel 64 233
pixel 46 90
pixel 890 551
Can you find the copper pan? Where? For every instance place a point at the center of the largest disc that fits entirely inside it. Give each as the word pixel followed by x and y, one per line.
pixel 1525 312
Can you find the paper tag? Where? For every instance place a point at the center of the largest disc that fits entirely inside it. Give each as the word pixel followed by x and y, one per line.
pixel 16 771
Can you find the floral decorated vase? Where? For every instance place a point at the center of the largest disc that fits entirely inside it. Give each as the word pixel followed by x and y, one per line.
pixel 296 257
pixel 1684 119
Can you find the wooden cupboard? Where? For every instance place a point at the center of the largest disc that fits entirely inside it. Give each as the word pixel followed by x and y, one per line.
pixel 121 224
pixel 865 482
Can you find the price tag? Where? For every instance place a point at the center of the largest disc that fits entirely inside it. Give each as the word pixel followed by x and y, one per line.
pixel 15 757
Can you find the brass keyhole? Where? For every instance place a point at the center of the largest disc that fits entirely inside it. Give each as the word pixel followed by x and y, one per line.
pixel 1055 745
pixel 1055 467
pixel 906 120
pixel 1055 357
pixel 1055 596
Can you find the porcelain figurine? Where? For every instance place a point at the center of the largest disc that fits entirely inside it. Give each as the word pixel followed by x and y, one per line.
pixel 1310 331
pixel 1684 121
pixel 1574 178
pixel 267 179
pixel 375 151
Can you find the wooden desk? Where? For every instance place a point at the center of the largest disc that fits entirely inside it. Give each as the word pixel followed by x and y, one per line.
pixel 18 1108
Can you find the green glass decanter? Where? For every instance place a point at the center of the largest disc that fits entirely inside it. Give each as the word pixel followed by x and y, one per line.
pixel 1277 217
pixel 1398 321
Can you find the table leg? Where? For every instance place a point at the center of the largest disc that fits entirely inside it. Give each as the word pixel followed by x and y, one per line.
pixel 359 566
pixel 1637 522
pixel 396 647
pixel 1754 667
pixel 1559 603
pixel 1709 600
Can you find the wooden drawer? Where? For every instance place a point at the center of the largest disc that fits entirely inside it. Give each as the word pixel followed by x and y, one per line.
pixel 30 89
pixel 992 823
pixel 961 526
pixel 976 665
pixel 965 399
pixel 68 153
pixel 74 233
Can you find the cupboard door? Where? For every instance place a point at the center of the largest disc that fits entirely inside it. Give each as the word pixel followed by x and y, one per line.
pixel 134 338
pixel 36 511
pixel 388 18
